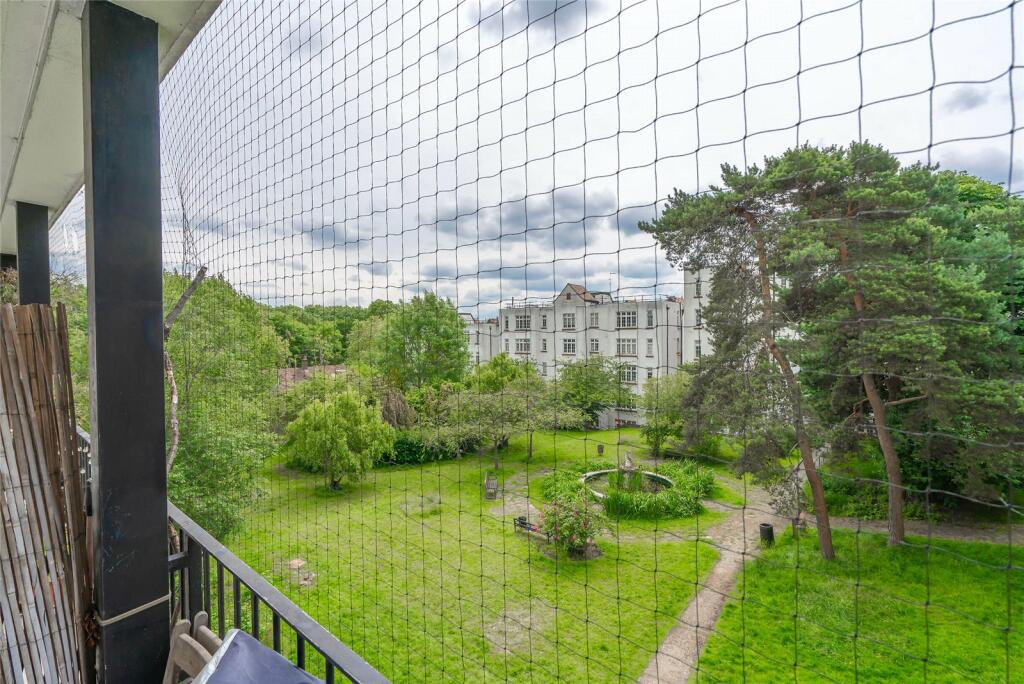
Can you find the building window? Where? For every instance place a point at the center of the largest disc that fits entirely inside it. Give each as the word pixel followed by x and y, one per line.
pixel 506 322
pixel 650 318
pixel 543 367
pixel 627 373
pixel 650 346
pixel 625 346
pixel 650 373
pixel 568 321
pixel 569 345
pixel 522 321
pixel 625 319
pixel 522 345
pixel 698 317
pixel 696 348
pixel 478 357
pixel 568 296
pixel 595 346
pixel 544 345
pixel 595 319
pixel 506 345
pixel 543 321
pixel 698 288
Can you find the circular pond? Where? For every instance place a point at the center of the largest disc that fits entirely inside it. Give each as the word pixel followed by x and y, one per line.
pixel 599 482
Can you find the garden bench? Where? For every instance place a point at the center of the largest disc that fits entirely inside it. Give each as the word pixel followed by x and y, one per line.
pixel 521 524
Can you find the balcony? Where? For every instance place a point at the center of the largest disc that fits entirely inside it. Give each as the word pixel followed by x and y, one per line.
pixel 834 503
pixel 204 575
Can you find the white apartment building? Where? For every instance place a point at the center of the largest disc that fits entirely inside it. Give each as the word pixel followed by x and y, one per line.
pixel 483 338
pixel 643 334
pixel 696 340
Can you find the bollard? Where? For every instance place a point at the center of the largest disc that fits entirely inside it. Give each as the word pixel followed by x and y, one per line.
pixel 767 534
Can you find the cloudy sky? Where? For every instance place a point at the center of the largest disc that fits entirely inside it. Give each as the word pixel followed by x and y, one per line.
pixel 340 152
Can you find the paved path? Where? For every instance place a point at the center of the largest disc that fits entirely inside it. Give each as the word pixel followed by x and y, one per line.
pixel 736 539
pixel 994 534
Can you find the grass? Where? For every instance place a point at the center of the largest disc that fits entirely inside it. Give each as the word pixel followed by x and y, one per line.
pixel 420 575
pixel 874 614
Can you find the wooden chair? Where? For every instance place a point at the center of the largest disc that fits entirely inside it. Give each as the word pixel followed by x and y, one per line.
pixel 192 646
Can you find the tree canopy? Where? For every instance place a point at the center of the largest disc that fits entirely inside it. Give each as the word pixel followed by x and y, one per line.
pixel 591 385
pixel 423 343
pixel 892 288
pixel 340 437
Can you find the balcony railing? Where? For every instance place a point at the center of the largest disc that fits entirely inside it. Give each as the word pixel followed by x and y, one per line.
pixel 205 576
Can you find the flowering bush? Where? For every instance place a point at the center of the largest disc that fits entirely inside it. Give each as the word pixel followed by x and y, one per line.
pixel 571 523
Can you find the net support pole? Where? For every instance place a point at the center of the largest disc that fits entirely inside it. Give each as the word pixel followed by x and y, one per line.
pixel 123 251
pixel 33 253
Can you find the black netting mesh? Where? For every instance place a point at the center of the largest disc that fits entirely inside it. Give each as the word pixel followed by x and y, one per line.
pixel 444 286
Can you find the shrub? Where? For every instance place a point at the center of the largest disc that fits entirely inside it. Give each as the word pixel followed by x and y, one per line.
pixel 341 438
pixel 691 484
pixel 288 404
pixel 571 522
pixel 566 481
pixel 410 448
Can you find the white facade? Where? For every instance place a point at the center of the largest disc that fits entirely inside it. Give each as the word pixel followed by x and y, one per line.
pixel 482 337
pixel 647 336
pixel 696 340
pixel 641 334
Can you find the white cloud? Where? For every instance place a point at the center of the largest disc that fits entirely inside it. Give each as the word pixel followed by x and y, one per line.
pixel 341 152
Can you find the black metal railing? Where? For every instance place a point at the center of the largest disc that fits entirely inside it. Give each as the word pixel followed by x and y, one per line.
pixel 85 468
pixel 205 576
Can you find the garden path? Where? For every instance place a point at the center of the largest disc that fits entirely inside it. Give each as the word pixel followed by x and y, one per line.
pixel 992 533
pixel 736 538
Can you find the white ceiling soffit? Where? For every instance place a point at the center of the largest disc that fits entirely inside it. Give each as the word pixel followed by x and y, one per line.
pixel 41 124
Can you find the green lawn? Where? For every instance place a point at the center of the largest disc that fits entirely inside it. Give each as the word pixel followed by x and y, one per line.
pixel 971 596
pixel 423 577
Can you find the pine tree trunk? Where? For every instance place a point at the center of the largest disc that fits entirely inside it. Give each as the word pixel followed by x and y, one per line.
pixel 795 400
pixel 806 454
pixel 878 412
pixel 892 460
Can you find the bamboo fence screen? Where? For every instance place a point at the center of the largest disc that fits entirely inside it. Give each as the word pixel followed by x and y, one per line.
pixel 44 555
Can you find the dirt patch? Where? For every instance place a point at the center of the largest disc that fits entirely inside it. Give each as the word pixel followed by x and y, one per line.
pixel 588 552
pixel 295 571
pixel 520 482
pixel 422 506
pixel 513 505
pixel 513 630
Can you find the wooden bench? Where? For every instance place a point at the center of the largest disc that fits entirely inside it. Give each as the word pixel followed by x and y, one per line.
pixel 521 524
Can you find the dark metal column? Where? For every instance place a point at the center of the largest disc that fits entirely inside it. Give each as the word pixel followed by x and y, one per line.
pixel 33 254
pixel 122 202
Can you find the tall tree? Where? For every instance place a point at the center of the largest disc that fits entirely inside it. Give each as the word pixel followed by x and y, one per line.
pixel 733 230
pixel 883 290
pixel 663 408
pixel 591 386
pixel 341 437
pixel 423 343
